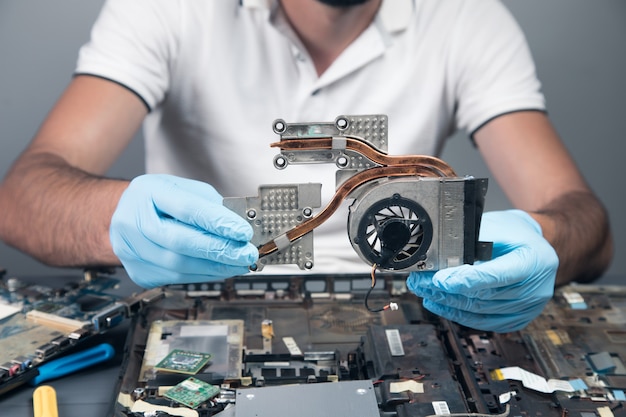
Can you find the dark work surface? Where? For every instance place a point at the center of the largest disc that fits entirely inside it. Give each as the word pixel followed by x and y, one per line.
pixel 89 392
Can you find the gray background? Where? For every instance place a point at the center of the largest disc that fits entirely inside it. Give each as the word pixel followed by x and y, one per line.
pixel 579 47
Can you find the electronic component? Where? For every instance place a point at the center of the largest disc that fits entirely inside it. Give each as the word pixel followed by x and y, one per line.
pixel 276 210
pixel 322 337
pixel 192 392
pixel 223 338
pixel 602 362
pixel 90 302
pixel 348 398
pixel 183 361
pixel 409 213
pixel 418 223
pixel 283 369
pixel 41 322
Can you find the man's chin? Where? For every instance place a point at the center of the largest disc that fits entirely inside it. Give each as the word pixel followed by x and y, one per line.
pixel 343 3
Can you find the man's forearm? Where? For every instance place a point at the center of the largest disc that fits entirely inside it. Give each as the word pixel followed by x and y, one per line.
pixel 577 226
pixel 58 214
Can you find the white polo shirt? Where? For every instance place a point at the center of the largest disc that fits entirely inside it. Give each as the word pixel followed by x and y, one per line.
pixel 215 74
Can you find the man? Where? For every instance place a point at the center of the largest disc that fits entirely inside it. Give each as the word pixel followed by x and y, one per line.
pixel 208 78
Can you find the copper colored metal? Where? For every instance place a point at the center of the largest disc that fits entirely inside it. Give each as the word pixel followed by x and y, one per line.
pixel 366 150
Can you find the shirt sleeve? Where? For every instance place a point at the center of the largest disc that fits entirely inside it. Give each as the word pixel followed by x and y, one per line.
pixel 133 43
pixel 492 67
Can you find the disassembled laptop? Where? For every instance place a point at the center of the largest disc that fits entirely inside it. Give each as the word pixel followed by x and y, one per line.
pixel 306 345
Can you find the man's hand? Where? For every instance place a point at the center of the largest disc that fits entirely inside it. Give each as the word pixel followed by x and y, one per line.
pixel 503 294
pixel 168 230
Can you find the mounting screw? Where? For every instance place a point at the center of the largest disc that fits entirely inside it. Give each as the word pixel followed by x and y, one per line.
pixel 279 126
pixel 342 161
pixel 280 162
pixel 342 123
pixel 251 214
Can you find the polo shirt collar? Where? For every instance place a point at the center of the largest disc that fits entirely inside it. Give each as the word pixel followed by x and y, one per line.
pixel 393 17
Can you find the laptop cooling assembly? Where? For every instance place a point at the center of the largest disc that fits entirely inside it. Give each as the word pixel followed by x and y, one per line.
pixel 409 213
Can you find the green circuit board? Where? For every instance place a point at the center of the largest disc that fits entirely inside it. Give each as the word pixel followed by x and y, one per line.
pixel 183 361
pixel 192 392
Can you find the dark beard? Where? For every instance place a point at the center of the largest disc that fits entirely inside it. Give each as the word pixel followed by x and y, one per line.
pixel 343 3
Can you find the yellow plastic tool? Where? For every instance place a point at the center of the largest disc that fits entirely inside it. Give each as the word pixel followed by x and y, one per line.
pixel 45 402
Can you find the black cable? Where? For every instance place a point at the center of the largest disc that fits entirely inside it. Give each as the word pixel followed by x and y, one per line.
pixel 392 306
pixel 373 310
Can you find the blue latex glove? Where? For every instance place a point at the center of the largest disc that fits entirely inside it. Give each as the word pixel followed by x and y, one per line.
pixel 168 230
pixel 503 294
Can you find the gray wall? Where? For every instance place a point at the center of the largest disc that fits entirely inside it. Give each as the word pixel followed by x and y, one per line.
pixel 578 45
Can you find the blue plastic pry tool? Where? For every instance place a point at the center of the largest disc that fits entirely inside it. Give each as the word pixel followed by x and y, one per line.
pixel 73 362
